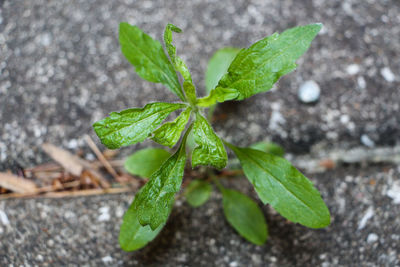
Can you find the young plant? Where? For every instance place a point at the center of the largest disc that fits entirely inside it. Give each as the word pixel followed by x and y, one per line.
pixel 232 75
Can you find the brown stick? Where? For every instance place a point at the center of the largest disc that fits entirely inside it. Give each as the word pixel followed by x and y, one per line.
pixel 88 192
pixel 101 157
pixel 46 167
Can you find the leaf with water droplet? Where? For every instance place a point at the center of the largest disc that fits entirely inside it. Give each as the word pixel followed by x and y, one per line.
pixel 155 200
pixel 210 149
pixel 133 125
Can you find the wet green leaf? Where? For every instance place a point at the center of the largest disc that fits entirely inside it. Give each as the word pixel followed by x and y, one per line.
pixel 133 125
pixel 133 235
pixel 177 62
pixel 155 200
pixel 169 133
pixel 218 66
pixel 218 94
pixel 269 147
pixel 245 216
pixel 210 149
pixel 258 67
pixel 145 162
pixel 190 92
pixel 198 192
pixel 281 185
pixel 148 58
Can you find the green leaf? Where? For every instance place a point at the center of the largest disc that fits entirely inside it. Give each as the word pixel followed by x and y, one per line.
pixel 146 161
pixel 190 92
pixel 169 133
pixel 269 147
pixel 155 200
pixel 218 66
pixel 148 58
pixel 177 62
pixel 245 216
pixel 133 235
pixel 258 67
pixel 218 94
pixel 198 192
pixel 210 149
pixel 281 185
pixel 133 125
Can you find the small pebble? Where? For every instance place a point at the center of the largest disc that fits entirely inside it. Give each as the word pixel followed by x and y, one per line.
pixel 39 257
pixel 3 218
pixel 366 141
pixel 372 238
pixel 353 69
pixel 45 39
pixel 388 74
pixel 361 82
pixel 309 92
pixel 104 214
pixel 394 192
pixel 368 215
pixel 344 118
pixel 107 259
pixel 73 144
pixel 50 243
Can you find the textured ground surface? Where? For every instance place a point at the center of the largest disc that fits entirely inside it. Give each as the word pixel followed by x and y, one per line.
pixel 61 69
pixel 365 230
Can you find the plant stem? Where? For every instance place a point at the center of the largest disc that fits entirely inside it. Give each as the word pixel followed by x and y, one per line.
pixel 217 183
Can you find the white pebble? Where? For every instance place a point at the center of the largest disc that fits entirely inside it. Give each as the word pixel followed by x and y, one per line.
pixel 367 141
pixel 73 144
pixel 368 215
pixel 387 74
pixel 233 264
pixel 45 39
pixel 3 218
pixel 353 69
pixel 361 82
pixel 107 259
pixel 39 257
pixel 394 192
pixel 119 212
pixel 90 157
pixel 104 214
pixel 344 118
pixel 309 92
pixel 372 238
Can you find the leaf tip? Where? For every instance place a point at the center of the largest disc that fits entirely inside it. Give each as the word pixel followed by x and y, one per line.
pixel 174 28
pixel 123 25
pixel 317 26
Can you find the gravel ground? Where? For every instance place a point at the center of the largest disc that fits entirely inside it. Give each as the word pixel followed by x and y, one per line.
pixel 365 230
pixel 61 69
